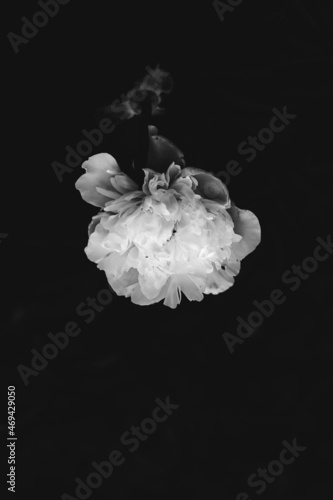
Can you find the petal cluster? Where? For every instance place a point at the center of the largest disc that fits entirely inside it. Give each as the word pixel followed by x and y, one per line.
pixel 179 234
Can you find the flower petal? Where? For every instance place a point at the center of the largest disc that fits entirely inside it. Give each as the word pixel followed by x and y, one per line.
pixel 137 297
pixel 99 168
pixel 125 284
pixel 172 173
pixel 95 250
pixel 209 186
pixel 149 174
pixel 223 278
pixel 191 286
pixel 122 183
pixel 95 220
pixel 247 225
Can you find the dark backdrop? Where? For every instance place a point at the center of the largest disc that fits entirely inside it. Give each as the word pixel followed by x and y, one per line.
pixel 235 408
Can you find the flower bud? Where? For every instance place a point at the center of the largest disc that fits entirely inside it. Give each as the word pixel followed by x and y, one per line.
pixel 162 153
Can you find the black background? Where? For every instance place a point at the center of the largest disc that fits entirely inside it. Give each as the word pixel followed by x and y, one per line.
pixel 235 409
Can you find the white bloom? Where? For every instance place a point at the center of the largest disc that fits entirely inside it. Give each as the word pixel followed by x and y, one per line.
pixel 180 233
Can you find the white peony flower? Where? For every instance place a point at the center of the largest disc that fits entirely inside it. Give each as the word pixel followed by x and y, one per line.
pixel 180 233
